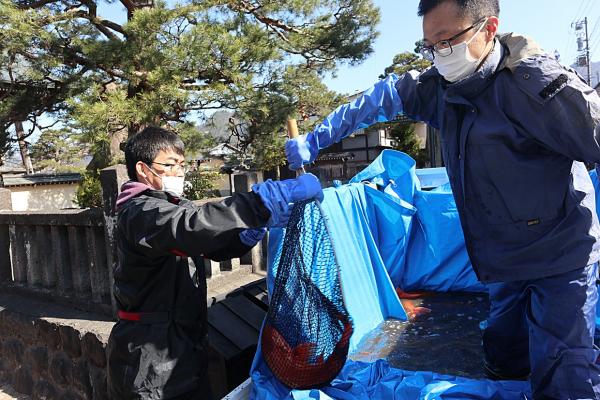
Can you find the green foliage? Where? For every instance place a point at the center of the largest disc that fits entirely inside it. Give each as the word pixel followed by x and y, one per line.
pixel 201 184
pixel 58 150
pixel 89 192
pixel 405 62
pixel 404 139
pixel 170 63
pixel 195 140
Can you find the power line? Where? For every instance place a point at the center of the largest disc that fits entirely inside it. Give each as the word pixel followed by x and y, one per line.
pixel 596 25
pixel 579 9
pixel 589 7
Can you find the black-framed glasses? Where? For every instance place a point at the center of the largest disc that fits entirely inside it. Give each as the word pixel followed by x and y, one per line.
pixel 182 166
pixel 444 47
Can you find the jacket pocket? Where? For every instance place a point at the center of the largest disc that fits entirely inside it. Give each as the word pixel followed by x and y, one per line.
pixel 514 188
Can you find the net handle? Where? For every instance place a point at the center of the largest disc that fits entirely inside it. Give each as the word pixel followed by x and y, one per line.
pixel 292 128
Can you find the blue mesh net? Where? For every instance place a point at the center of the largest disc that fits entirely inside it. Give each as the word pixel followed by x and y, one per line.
pixel 307 331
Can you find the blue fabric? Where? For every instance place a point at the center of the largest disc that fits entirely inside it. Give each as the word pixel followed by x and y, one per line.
pixel 378 381
pixel 596 184
pixel 278 195
pixel 372 230
pixel 417 251
pixel 546 324
pixel 252 236
pixel 380 103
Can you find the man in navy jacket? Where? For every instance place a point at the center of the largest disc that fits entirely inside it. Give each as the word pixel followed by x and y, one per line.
pixel 515 127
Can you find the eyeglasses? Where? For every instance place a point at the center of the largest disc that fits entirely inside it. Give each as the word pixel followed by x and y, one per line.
pixel 444 46
pixel 182 166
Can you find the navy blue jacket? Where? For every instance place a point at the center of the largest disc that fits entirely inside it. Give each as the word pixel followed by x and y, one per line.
pixel 513 137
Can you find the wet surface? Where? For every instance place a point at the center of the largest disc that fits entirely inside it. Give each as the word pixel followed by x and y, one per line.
pixel 447 340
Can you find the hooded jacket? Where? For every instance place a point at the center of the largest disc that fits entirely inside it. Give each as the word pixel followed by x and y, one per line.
pixel 164 355
pixel 514 135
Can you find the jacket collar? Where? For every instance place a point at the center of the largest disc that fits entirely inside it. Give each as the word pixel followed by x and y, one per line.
pixel 509 52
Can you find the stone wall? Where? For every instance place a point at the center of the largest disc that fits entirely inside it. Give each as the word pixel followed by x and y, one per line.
pixel 52 352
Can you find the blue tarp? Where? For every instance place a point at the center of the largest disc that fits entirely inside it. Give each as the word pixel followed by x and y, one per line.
pixel 596 183
pixel 394 235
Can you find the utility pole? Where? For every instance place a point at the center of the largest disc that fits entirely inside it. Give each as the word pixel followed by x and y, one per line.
pixel 583 58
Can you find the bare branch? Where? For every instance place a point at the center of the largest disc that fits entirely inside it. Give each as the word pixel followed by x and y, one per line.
pixel 129 5
pixel 277 26
pixel 102 25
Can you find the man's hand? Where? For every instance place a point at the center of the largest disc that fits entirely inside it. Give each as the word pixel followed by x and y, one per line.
pixel 278 195
pixel 301 150
pixel 252 236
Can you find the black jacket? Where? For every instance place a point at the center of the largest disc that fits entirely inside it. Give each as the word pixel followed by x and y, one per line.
pixel 164 356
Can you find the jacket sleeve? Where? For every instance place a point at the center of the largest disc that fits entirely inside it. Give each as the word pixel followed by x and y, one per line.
pixel 384 101
pixel 562 111
pixel 212 230
pixel 380 103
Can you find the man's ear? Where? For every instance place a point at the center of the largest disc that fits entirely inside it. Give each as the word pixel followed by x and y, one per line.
pixel 491 27
pixel 139 171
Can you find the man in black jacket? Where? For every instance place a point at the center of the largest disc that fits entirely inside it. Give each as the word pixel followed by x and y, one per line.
pixel 158 348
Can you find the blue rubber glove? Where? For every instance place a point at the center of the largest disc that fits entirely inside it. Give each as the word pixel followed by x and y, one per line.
pixel 252 236
pixel 380 103
pixel 277 196
pixel 301 150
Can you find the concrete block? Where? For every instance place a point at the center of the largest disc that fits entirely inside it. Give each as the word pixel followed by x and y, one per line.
pixel 5 200
pixel 61 369
pixel 13 350
pixel 22 381
pixel 48 333
pixel 94 349
pixel 81 378
pixel 44 390
pixel 70 340
pixel 38 358
pixel 211 268
pixel 99 386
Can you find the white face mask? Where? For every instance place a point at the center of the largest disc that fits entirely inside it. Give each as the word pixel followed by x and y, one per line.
pixel 460 63
pixel 171 184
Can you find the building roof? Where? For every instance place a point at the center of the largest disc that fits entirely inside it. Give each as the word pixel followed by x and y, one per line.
pixel 223 150
pixel 335 156
pixel 10 180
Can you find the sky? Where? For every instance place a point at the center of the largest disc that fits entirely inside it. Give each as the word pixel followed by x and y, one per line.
pixel 547 21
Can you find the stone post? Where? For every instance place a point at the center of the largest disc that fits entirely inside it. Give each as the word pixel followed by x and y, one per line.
pixel 243 183
pixel 5 261
pixel 111 179
pixel 5 200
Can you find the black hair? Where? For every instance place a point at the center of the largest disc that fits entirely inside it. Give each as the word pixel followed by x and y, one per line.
pixel 474 9
pixel 145 146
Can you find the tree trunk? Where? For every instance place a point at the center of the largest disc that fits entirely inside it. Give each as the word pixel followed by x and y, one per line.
pixel 23 148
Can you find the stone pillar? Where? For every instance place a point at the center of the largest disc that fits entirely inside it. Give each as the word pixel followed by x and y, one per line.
pixel 211 268
pixel 243 183
pixel 5 200
pixel 111 179
pixel 5 262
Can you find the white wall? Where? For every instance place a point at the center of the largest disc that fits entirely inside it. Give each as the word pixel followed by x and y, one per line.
pixel 43 197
